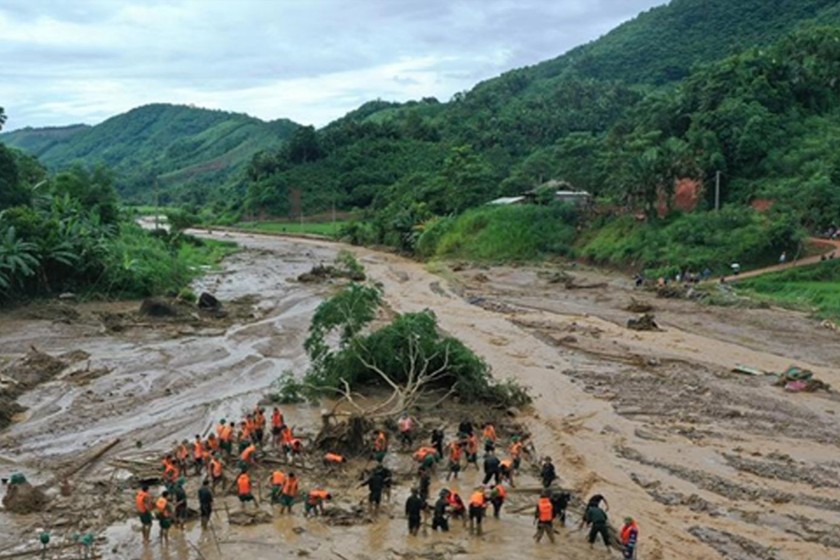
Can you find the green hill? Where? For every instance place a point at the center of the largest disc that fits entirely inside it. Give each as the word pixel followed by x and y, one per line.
pixel 188 150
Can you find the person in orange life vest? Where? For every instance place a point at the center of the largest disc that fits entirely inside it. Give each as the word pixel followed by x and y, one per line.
pixel 489 434
pixel 454 459
pixel 259 425
pixel 290 492
pixel 165 513
pixel 212 443
pixel 506 468
pixel 277 480
pixel 286 438
pixel 198 454
pixel 380 445
pixel 332 460
pixel 182 455
pixel 478 503
pixel 497 498
pixel 143 503
pixel 296 449
pixel 515 451
pixel 315 501
pixel 629 535
pixel 248 456
pixel 457 507
pixel 171 472
pixel 544 517
pixel 276 426
pixel 226 438
pixel 216 470
pixel 472 451
pixel 243 489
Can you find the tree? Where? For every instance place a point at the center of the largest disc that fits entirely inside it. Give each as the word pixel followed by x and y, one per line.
pixel 2 118
pixel 12 191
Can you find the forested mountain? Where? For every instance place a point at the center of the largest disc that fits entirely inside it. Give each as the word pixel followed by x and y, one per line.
pixel 188 150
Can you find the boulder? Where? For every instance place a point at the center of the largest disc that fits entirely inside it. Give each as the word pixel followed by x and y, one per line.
pixel 208 302
pixel 155 307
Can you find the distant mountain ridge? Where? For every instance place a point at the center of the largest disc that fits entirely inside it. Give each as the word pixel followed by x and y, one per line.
pixel 173 144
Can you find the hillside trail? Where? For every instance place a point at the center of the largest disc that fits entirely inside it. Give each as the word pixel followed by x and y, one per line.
pixel 831 245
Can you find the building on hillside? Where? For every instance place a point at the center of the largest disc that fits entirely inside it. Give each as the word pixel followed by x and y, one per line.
pixel 509 200
pixel 578 198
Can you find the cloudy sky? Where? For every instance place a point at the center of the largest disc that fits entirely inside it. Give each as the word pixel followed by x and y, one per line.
pixel 70 61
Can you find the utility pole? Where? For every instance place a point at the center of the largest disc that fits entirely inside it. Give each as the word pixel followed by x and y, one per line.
pixel 717 190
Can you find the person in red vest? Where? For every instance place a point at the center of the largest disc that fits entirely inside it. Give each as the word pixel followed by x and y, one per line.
pixel 629 537
pixel 544 517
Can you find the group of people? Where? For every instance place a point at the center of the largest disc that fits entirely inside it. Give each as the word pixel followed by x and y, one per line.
pixel 207 458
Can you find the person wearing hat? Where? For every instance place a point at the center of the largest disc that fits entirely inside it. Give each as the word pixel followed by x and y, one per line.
pixel 629 535
pixel 439 518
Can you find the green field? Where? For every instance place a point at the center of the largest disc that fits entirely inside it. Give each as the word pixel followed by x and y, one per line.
pixel 327 229
pixel 815 288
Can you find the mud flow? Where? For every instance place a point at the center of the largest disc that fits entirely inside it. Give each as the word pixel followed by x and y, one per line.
pixel 710 462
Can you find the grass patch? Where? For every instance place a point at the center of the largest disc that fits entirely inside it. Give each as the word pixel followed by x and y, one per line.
pixel 815 288
pixel 328 229
pixel 501 234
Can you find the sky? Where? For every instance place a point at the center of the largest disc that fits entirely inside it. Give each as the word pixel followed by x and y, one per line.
pixel 82 61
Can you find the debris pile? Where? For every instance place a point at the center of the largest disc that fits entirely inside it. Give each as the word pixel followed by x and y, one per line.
pixel 21 497
pixel 645 322
pixel 796 380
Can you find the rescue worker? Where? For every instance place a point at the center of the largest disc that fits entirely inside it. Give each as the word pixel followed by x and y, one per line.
pixel 216 471
pixel 315 502
pixel 276 426
pixel 226 439
pixel 457 507
pixel 380 446
pixel 405 424
pixel 212 444
pixel 182 455
pixel 259 426
pixel 387 479
pixel 465 428
pixel 560 501
pixel 489 434
pixel 425 482
pixel 375 483
pixel 497 498
pixel 472 451
pixel 414 507
pixel 547 472
pixel 248 456
pixel 437 440
pixel 454 460
pixel 290 491
pixel 164 515
pixel 491 468
pixel 333 460
pixel 180 499
pixel 629 535
pixel 596 519
pixel 427 457
pixel 198 454
pixel 478 503
pixel 171 471
pixel 544 517
pixel 439 518
pixel 277 480
pixel 515 451
pixel 243 489
pixel 205 503
pixel 143 502
pixel 506 468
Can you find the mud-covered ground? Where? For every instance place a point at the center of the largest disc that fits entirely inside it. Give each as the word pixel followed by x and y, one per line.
pixel 712 463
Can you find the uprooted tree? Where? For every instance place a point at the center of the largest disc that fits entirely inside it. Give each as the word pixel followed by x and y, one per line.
pixel 409 356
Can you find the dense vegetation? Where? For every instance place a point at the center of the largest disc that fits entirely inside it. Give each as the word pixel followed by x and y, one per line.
pixel 196 156
pixel 813 288
pixel 65 233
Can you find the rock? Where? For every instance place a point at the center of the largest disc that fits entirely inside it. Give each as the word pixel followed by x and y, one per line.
pixel 24 498
pixel 249 517
pixel 513 412
pixel 645 322
pixel 155 307
pixel 208 302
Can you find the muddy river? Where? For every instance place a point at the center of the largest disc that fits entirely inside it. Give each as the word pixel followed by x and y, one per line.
pixel 713 464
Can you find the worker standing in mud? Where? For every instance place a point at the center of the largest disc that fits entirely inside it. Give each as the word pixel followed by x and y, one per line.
pixel 629 535
pixel 290 491
pixel 315 502
pixel 547 473
pixel 406 427
pixel 380 446
pixel 198 454
pixel 243 489
pixel 425 482
pixel 497 498
pixel 596 519
pixel 276 426
pixel 414 507
pixel 437 440
pixel 216 470
pixel 205 503
pixel 472 451
pixel 277 480
pixel 180 498
pixel 478 504
pixel 544 518
pixel 560 501
pixel 491 468
pixel 143 502
pixel 375 483
pixel 164 515
pixel 439 518
pixel 489 434
pixel 454 460
pixel 387 479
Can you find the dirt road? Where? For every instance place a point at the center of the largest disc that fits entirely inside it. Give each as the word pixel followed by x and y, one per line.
pixel 831 246
pixel 713 464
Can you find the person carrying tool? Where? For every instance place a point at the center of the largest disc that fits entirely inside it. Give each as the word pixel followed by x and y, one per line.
pixel 143 502
pixel 544 517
